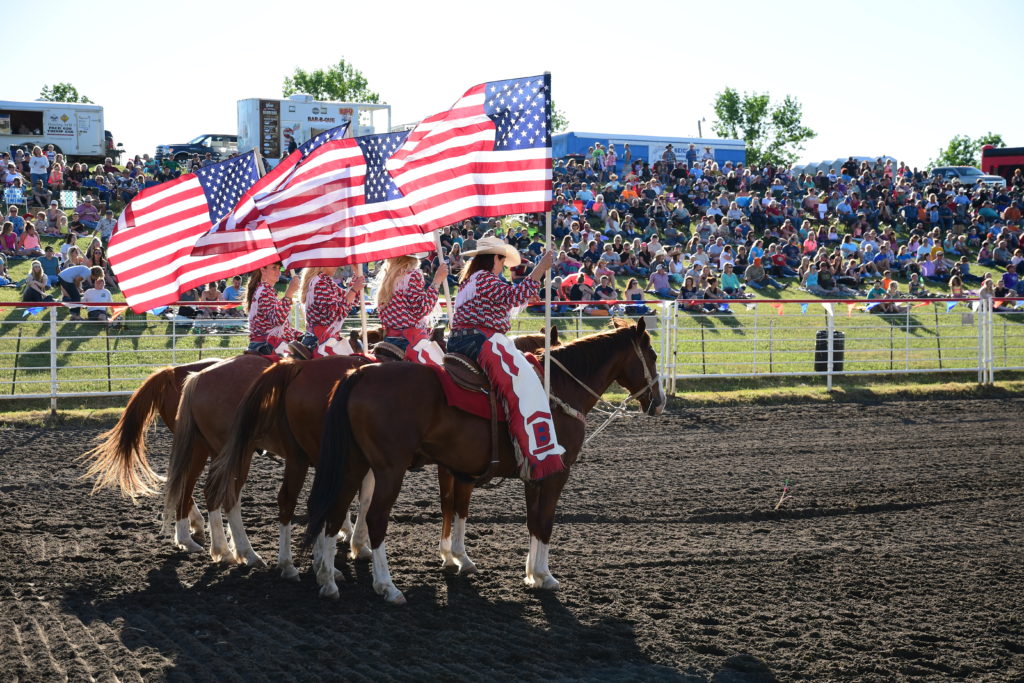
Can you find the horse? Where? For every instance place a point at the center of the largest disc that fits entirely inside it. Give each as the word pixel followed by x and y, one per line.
pixel 290 398
pixel 382 416
pixel 206 412
pixel 119 460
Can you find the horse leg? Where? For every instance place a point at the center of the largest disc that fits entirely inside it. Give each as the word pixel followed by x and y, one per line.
pixel 446 483
pixel 295 469
pixel 359 545
pixel 387 484
pixel 463 492
pixel 244 553
pixel 327 542
pixel 196 523
pixel 541 498
pixel 187 509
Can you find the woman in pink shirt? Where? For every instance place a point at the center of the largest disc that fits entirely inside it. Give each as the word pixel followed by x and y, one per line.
pixel 28 245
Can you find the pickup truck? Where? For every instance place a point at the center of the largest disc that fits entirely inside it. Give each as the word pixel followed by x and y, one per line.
pixel 220 146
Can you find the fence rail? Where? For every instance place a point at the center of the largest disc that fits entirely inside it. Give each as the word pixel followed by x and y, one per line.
pixel 53 358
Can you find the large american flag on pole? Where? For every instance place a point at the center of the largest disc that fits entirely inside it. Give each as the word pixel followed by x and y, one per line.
pixel 151 248
pixel 363 199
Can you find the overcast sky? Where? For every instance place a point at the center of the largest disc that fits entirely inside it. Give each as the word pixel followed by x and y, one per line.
pixel 875 78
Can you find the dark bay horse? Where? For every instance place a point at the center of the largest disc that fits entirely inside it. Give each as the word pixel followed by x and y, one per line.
pixel 381 416
pixel 290 399
pixel 120 459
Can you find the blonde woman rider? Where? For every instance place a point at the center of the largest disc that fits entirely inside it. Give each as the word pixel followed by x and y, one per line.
pixel 405 304
pixel 326 304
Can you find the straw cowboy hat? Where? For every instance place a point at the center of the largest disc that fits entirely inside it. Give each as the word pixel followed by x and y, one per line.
pixel 495 245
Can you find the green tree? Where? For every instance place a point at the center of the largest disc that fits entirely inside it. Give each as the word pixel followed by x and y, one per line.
pixel 558 121
pixel 62 92
pixel 774 133
pixel 962 150
pixel 341 83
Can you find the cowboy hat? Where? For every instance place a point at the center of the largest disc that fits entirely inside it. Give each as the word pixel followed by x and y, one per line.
pixel 494 245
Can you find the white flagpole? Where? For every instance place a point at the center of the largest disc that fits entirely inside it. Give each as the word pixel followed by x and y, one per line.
pixel 547 311
pixel 259 163
pixel 450 308
pixel 362 310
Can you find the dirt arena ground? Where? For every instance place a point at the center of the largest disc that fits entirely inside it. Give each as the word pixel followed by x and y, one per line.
pixel 898 557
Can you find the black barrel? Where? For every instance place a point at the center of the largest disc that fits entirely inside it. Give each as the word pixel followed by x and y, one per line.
pixel 821 351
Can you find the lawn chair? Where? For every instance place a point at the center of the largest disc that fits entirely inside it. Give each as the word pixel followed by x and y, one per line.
pixel 68 199
pixel 14 196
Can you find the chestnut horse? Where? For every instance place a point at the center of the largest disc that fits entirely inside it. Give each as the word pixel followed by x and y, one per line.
pixel 119 460
pixel 290 398
pixel 382 416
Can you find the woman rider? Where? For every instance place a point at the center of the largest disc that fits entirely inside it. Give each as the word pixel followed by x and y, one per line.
pixel 404 305
pixel 326 304
pixel 269 331
pixel 483 308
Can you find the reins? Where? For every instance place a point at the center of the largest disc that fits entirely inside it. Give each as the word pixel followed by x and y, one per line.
pixel 615 410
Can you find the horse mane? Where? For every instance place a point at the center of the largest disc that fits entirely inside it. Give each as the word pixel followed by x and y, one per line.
pixel 593 350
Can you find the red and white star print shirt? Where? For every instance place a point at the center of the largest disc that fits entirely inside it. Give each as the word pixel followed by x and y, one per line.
pixel 410 304
pixel 268 312
pixel 325 302
pixel 486 301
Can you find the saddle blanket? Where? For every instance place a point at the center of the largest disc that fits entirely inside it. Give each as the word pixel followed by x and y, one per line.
pixel 473 402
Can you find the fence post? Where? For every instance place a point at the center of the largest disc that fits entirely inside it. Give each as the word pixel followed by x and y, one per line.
pixel 990 336
pixel 830 328
pixel 53 360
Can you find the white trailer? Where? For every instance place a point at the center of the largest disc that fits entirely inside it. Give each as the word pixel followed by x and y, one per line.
pixel 275 127
pixel 75 130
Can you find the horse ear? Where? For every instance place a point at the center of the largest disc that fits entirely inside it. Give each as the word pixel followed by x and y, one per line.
pixel 554 335
pixel 641 326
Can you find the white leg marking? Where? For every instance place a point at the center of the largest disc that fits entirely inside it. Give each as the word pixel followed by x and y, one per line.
pixel 284 553
pixel 219 548
pixel 466 565
pixel 325 573
pixel 444 548
pixel 183 539
pixel 345 533
pixel 359 548
pixel 197 523
pixel 244 554
pixel 529 579
pixel 542 577
pixel 382 577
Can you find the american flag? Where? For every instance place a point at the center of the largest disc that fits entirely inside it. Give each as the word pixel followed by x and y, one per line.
pixel 354 200
pixel 489 155
pixel 241 231
pixel 151 249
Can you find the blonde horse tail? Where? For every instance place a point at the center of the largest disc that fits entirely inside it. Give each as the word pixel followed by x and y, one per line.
pixel 120 457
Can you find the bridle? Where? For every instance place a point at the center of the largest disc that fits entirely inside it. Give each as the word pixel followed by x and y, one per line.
pixel 613 411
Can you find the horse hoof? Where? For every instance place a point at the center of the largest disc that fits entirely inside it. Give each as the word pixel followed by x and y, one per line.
pixel 199 534
pixel 467 569
pixel 549 583
pixel 394 597
pixel 329 590
pixel 251 559
pixel 289 572
pixel 362 552
pixel 190 546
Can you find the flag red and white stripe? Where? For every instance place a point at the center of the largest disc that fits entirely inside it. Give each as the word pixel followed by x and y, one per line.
pixel 151 250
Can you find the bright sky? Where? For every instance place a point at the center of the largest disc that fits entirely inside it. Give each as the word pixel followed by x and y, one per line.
pixel 874 77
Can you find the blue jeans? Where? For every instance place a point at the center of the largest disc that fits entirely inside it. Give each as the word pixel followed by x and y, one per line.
pixel 766 282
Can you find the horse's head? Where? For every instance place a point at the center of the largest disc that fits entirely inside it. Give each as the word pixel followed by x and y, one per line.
pixel 639 373
pixel 534 343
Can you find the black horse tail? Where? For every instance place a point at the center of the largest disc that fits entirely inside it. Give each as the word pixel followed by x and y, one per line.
pixel 336 443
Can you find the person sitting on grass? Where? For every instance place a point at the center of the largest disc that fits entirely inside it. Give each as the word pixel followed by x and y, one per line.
pixel 98 294
pixel 36 285
pixel 756 277
pixel 712 295
pixel 634 292
pixel 658 283
pixel 8 240
pixel 731 283
pixel 28 243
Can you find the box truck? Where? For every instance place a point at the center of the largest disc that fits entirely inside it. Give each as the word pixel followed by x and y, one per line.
pixel 74 130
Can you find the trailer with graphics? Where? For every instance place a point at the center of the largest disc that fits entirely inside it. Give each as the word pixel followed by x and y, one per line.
pixel 74 130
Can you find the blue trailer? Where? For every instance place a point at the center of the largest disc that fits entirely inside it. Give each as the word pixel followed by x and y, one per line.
pixel 648 147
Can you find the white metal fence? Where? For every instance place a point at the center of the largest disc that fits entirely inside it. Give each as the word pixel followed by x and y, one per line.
pixel 49 357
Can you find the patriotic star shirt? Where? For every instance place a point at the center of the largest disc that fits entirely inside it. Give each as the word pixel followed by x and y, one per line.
pixel 410 303
pixel 486 301
pixel 324 302
pixel 269 312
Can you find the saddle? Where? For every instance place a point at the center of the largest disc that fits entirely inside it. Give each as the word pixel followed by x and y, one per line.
pixel 466 373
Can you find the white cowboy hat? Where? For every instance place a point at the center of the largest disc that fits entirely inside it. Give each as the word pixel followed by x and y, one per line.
pixel 495 245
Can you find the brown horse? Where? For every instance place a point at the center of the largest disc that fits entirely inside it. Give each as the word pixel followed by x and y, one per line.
pixel 290 398
pixel 207 410
pixel 381 416
pixel 119 460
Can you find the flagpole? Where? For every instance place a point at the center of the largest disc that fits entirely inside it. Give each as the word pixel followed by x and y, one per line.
pixel 547 311
pixel 259 162
pixel 362 310
pixel 450 307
